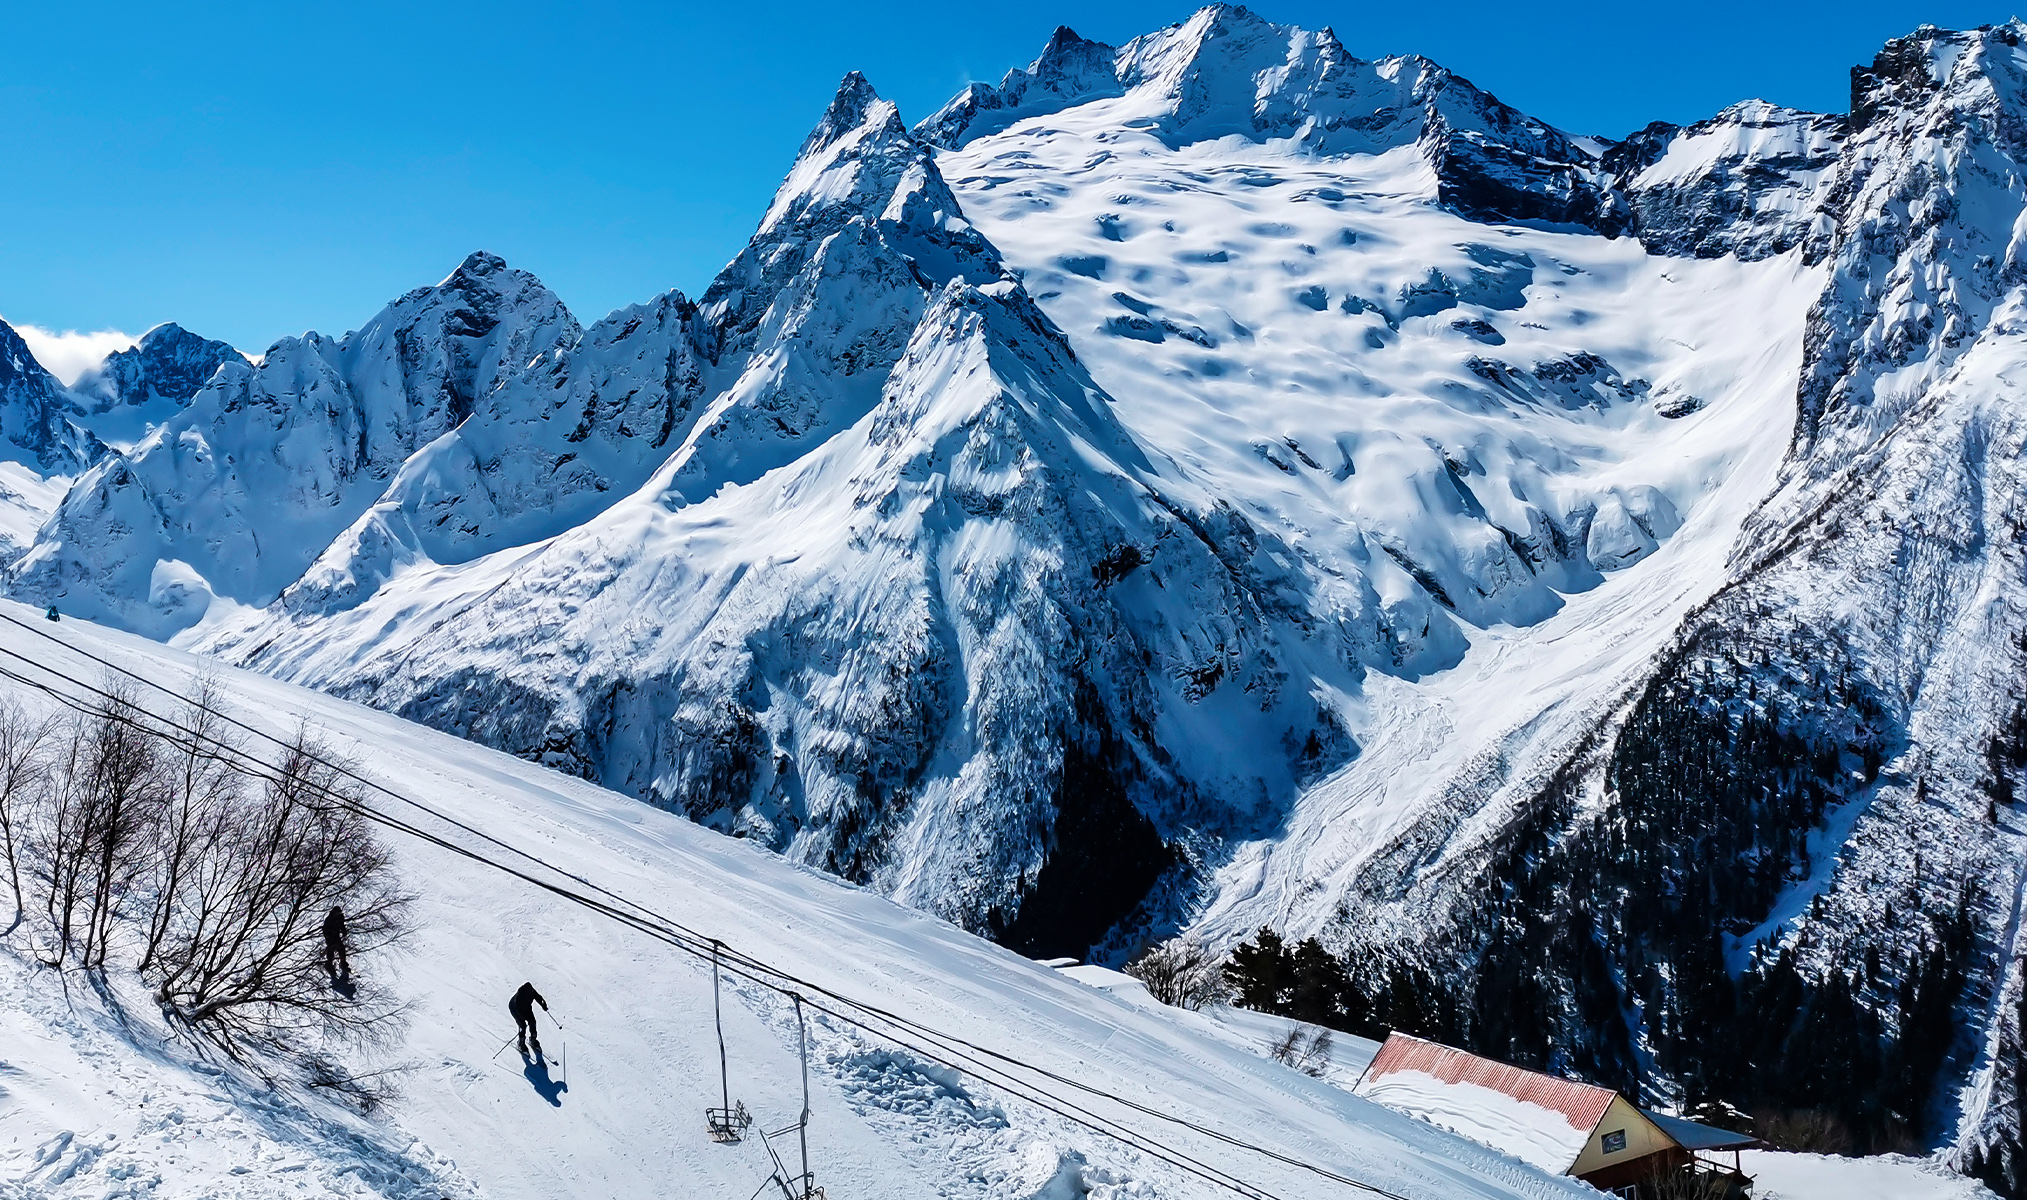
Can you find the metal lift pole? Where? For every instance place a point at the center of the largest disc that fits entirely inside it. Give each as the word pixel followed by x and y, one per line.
pixel 802 1129
pixel 727 1124
pixel 718 1019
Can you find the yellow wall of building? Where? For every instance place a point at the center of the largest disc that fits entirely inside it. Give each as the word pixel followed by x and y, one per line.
pixel 1643 1137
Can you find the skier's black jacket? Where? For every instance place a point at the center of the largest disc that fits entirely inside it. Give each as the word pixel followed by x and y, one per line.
pixel 522 1006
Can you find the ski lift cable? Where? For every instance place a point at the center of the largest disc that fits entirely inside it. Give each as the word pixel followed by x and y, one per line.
pixel 1020 1089
pixel 948 1043
pixel 670 930
pixel 651 915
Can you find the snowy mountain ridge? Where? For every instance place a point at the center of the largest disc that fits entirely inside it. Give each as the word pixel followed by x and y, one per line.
pixel 1218 481
pixel 100 1096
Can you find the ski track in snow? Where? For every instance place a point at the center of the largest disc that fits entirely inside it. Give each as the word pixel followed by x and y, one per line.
pixel 642 1062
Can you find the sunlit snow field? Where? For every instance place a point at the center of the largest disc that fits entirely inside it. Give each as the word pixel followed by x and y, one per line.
pixel 1327 415
pixel 84 1110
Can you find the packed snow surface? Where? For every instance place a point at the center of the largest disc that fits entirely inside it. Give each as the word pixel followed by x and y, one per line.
pixel 1532 1133
pixel 1778 1176
pixel 92 1108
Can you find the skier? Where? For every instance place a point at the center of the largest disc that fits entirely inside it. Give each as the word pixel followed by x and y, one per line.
pixel 522 1006
pixel 334 945
pixel 52 614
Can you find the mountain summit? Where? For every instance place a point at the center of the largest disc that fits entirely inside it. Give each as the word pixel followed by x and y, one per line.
pixel 1219 481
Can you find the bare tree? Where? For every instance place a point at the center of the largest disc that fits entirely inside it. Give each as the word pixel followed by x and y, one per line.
pixel 96 825
pixel 1181 973
pixel 1308 1051
pixel 24 740
pixel 240 956
pixel 199 791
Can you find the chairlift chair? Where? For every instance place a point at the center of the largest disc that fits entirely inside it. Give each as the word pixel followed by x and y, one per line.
pixel 802 1185
pixel 729 1122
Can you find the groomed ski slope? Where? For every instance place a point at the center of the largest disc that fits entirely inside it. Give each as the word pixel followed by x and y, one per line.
pixel 89 1111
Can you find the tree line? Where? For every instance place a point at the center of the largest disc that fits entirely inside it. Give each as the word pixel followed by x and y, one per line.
pixel 1604 944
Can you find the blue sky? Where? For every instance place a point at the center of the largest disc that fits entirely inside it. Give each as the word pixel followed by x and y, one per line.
pixel 251 172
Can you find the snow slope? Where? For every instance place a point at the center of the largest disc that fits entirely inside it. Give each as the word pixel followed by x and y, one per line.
pixel 1339 438
pixel 92 1109
pixel 1217 481
pixel 1825 1177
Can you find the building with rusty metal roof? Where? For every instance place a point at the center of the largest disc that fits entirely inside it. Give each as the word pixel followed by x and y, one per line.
pixel 1559 1125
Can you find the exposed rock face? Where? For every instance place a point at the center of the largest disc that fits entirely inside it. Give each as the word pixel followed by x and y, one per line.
pixel 169 363
pixel 1747 182
pixel 35 425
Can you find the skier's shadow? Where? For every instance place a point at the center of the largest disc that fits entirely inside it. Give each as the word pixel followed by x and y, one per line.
pixel 537 1072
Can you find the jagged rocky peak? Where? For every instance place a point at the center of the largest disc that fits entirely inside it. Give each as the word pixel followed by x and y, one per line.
pixel 453 343
pixel 1918 227
pixel 1909 71
pixel 151 535
pixel 581 428
pixel 34 426
pixel 851 160
pixel 1748 181
pixel 1071 66
pixel 1069 70
pixel 169 363
pixel 858 167
pixel 858 164
pixel 854 106
pixel 1228 71
pixel 809 318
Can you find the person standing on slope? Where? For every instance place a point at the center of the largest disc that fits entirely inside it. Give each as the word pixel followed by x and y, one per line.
pixel 522 1006
pixel 335 963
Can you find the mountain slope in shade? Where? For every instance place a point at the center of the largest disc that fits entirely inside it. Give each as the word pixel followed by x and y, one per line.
pixel 1746 182
pixel 36 426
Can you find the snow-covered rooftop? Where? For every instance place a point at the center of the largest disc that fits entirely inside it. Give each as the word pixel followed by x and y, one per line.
pixel 1537 1118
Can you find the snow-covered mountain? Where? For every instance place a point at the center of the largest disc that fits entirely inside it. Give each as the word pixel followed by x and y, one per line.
pixel 1219 481
pixel 136 389
pixel 102 1098
pixel 36 425
pixel 237 494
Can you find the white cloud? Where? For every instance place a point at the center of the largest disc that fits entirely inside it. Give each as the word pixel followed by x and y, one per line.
pixel 67 354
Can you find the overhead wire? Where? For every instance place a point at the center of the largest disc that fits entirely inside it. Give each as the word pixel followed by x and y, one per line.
pixel 745 966
pixel 1021 1089
pixel 1018 1088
